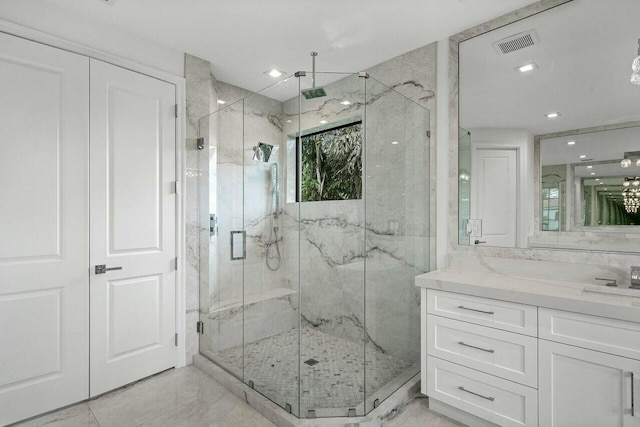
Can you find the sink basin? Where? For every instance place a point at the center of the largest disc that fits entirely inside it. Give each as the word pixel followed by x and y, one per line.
pixel 613 290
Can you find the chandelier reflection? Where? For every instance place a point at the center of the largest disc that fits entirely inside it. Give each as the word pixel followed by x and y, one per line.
pixel 631 194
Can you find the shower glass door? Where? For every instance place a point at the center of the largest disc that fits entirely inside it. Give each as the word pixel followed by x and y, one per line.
pixel 271 283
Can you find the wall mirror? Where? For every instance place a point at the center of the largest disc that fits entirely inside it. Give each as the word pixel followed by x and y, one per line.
pixel 549 131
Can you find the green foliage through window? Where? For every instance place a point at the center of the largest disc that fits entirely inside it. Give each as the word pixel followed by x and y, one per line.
pixel 332 164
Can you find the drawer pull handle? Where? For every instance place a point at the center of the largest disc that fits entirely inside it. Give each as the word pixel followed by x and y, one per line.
pixel 633 409
pixel 475 309
pixel 476 394
pixel 477 348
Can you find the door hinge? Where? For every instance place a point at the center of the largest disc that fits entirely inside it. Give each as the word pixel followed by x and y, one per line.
pixel 428 134
pixel 200 327
pixel 177 189
pixel 176 106
pixel 176 341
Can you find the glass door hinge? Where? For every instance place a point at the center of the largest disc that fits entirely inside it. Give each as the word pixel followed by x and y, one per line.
pixel 200 327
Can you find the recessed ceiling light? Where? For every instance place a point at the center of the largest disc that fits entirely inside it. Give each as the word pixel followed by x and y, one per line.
pixel 589 167
pixel 527 67
pixel 323 121
pixel 583 156
pixel 571 143
pixel 221 102
pixel 394 143
pixel 288 121
pixel 604 188
pixel 597 179
pixel 274 73
pixel 593 173
pixel 553 115
pixel 345 102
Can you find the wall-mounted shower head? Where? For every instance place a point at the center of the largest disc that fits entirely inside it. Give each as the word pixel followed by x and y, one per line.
pixel 314 92
pixel 262 152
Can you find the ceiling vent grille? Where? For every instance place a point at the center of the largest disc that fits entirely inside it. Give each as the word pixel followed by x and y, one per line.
pixel 516 42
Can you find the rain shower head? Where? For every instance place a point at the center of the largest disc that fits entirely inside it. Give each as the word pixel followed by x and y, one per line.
pixel 262 152
pixel 314 92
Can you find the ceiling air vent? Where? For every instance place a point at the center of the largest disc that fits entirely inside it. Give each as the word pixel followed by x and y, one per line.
pixel 516 42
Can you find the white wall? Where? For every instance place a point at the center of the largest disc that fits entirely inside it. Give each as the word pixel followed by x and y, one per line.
pixel 53 21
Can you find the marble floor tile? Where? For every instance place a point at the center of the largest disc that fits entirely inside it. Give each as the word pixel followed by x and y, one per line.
pixel 79 415
pixel 187 397
pixel 417 414
pixel 176 398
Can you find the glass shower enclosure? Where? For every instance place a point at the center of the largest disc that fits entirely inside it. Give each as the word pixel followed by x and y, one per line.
pixel 317 214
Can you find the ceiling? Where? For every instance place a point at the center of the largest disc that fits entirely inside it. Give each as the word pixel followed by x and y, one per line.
pixel 244 38
pixel 584 53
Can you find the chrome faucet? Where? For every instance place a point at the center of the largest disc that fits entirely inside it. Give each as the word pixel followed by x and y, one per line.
pixel 610 282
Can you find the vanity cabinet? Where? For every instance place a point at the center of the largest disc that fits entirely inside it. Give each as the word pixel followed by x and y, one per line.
pixel 514 364
pixel 587 388
pixel 475 361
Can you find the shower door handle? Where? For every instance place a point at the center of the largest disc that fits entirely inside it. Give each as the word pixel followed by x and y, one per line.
pixel 238 245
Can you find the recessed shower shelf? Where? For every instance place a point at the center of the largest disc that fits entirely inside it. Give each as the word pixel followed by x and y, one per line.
pixel 236 302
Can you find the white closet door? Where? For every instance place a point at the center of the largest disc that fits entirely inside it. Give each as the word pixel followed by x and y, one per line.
pixel 132 211
pixel 44 294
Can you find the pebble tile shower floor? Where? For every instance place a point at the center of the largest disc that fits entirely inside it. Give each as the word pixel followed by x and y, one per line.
pixel 336 381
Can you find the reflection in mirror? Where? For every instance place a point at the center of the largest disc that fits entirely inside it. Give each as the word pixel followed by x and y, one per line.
pixel 590 180
pixel 556 79
pixel 464 185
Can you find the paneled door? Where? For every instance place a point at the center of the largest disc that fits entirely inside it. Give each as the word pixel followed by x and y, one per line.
pixel 44 282
pixel 494 195
pixel 132 217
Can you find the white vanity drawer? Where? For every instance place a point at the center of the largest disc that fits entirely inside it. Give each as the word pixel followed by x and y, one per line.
pixel 504 354
pixel 597 333
pixel 508 316
pixel 496 400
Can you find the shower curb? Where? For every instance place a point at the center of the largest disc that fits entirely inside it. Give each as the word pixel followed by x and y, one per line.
pixel 274 413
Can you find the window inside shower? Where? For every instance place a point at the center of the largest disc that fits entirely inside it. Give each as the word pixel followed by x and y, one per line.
pixel 331 164
pixel 317 310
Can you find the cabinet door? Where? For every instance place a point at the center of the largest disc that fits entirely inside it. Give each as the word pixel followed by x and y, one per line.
pixel 44 284
pixel 579 387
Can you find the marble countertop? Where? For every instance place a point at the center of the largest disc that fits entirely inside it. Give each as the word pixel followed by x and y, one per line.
pixel 556 294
